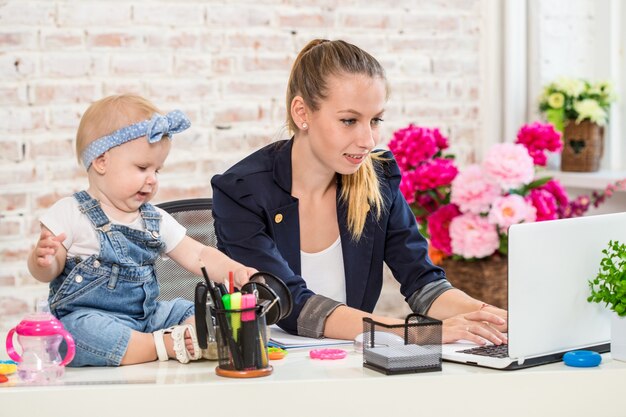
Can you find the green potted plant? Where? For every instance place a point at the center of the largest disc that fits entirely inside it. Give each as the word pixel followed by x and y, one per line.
pixel 609 287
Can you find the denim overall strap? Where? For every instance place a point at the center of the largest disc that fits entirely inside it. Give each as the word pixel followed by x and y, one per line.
pixel 91 208
pixel 151 218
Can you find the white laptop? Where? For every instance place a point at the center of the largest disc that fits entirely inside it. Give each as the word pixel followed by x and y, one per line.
pixel 550 264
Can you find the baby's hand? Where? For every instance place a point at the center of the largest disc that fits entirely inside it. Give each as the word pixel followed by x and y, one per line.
pixel 47 247
pixel 242 275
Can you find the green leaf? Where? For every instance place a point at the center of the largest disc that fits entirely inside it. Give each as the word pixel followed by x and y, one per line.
pixel 538 183
pixel 557 118
pixel 609 285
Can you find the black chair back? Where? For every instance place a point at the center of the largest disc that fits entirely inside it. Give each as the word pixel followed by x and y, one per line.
pixel 197 216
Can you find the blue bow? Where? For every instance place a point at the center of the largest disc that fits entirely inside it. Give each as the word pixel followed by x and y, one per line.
pixel 159 126
pixel 154 129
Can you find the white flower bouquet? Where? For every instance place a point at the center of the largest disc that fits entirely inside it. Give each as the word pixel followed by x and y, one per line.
pixel 576 99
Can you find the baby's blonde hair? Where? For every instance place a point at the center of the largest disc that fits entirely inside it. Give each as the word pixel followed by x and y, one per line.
pixel 316 63
pixel 109 114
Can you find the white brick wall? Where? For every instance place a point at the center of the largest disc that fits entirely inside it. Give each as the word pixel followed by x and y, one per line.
pixel 226 65
pixel 569 36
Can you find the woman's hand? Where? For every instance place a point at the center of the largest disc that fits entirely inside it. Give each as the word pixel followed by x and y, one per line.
pixel 477 326
pixel 503 314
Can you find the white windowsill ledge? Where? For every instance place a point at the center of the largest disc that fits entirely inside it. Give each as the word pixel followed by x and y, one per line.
pixel 590 180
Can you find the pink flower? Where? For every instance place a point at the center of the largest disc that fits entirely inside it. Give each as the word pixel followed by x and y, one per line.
pixel 414 145
pixel 556 189
pixel 439 227
pixel 434 173
pixel 407 188
pixel 472 192
pixel 511 209
pixel 473 236
pixel 440 140
pixel 538 138
pixel 577 207
pixel 468 213
pixel 545 204
pixel 509 165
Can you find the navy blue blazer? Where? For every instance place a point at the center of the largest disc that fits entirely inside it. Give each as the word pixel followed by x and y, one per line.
pixel 248 197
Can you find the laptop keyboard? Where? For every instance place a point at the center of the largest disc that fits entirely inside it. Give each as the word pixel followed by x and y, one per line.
pixel 493 351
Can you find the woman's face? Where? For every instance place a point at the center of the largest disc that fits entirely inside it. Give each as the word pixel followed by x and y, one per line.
pixel 345 128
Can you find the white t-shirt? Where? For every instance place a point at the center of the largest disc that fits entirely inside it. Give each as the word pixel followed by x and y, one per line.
pixel 324 272
pixel 81 237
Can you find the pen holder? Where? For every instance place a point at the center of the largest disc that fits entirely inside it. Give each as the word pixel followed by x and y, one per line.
pixel 242 343
pixel 412 347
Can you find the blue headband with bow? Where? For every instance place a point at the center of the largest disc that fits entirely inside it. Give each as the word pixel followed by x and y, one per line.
pixel 153 129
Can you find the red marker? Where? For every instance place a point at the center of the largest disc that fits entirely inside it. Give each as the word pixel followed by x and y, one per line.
pixel 231 282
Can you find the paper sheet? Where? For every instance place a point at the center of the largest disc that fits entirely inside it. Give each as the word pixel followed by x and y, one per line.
pixel 282 339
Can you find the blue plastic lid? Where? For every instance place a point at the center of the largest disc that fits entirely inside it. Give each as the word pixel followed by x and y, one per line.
pixel 582 358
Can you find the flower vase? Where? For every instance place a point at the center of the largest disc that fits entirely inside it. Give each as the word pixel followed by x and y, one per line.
pixel 483 279
pixel 583 145
pixel 618 338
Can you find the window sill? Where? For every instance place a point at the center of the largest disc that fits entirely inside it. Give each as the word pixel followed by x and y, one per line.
pixel 589 180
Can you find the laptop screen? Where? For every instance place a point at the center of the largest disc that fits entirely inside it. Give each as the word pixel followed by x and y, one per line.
pixel 550 264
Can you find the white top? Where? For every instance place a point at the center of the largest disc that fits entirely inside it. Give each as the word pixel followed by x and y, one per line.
pixel 81 237
pixel 323 272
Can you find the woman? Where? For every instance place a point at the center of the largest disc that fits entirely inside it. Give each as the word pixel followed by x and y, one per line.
pixel 322 211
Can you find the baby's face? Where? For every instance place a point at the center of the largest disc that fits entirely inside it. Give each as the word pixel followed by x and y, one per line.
pixel 131 177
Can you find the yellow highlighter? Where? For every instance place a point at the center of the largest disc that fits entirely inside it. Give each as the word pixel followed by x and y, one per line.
pixel 235 318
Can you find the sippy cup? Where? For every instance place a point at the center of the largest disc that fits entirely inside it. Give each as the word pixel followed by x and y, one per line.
pixel 40 335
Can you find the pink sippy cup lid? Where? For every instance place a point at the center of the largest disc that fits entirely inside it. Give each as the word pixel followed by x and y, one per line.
pixel 41 323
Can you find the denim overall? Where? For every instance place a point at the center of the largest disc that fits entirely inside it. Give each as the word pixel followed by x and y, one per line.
pixel 102 298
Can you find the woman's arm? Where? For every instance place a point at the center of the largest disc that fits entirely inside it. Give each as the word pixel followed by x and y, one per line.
pixel 471 320
pixel 347 322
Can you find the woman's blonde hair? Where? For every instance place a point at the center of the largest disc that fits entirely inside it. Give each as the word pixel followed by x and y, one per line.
pixel 319 60
pixel 109 114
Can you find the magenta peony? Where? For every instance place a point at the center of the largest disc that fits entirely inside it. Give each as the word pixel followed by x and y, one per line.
pixel 439 227
pixel 538 138
pixel 414 145
pixel 545 203
pixel 434 173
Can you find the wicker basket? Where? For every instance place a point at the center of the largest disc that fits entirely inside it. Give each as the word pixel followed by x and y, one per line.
pixel 483 279
pixel 583 146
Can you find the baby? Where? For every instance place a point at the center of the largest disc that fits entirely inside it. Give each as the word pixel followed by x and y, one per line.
pixel 97 248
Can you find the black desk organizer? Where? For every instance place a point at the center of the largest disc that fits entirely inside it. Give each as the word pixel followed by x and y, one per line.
pixel 412 347
pixel 243 356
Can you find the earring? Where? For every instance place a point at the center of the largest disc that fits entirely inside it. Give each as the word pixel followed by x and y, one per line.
pixel 305 126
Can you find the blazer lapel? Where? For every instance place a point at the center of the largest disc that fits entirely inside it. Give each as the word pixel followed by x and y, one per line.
pixel 285 218
pixel 286 226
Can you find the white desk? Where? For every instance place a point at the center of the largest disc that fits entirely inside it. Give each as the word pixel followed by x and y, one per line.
pixel 300 386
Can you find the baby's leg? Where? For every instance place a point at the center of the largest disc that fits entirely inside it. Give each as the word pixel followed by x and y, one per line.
pixel 142 348
pixel 101 339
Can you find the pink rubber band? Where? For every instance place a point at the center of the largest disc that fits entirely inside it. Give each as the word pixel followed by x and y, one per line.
pixel 327 354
